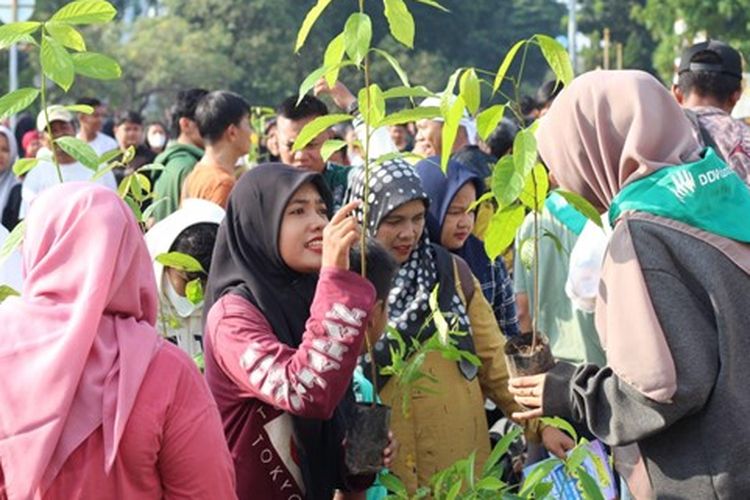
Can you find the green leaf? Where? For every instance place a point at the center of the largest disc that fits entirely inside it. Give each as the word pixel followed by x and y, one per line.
pixel 582 205
pixel 535 188
pixel 555 240
pixel 433 3
pixel 79 150
pixel 562 424
pixel 400 21
pixel 7 291
pixel 16 101
pixel 591 490
pixel 557 58
pixel 538 475
pixel 488 119
pixel 194 291
pixel 180 261
pixel 136 209
pixel 316 127
pixel 200 361
pixel 410 92
pixel 502 230
pixel 500 449
pixel 411 115
pixel 144 182
pixel 80 108
pixel 150 209
pixel 542 490
pixel 372 105
pixel 312 16
pixel 16 32
pixel 524 153
pixel 395 65
pixel 455 490
pixel 393 484
pixel 57 64
pixel 507 184
pixel 109 156
pixel 489 195
pixel 332 58
pixel 505 65
pixel 470 91
pixel 357 36
pixel 86 12
pixel 96 66
pixel 12 242
pixel 310 80
pixel 66 35
pixel 23 165
pixel 441 325
pixel 450 129
pixel 331 146
pixel 490 484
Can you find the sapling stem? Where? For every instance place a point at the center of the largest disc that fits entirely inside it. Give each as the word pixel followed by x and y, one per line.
pixel 48 127
pixel 365 206
pixel 537 308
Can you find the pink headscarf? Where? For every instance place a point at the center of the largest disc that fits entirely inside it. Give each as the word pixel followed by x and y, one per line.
pixel 78 341
pixel 609 128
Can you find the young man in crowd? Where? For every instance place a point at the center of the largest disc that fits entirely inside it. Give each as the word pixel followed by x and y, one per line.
pixel 129 133
pixel 222 119
pixel 91 126
pixel 180 158
pixel 45 174
pixel 709 84
pixel 291 119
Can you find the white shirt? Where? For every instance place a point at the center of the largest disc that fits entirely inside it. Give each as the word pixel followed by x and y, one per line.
pixel 585 268
pixel 10 270
pixel 102 143
pixel 44 176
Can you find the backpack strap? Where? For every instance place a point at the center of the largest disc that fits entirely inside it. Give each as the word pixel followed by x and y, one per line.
pixel 465 278
pixel 705 136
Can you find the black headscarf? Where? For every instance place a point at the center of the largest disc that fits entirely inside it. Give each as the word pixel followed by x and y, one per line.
pixel 247 262
pixel 393 184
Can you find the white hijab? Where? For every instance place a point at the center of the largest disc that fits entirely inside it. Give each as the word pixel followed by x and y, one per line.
pixel 10 269
pixel 7 177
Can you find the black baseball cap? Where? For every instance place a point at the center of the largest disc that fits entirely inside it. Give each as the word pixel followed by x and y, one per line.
pixel 730 59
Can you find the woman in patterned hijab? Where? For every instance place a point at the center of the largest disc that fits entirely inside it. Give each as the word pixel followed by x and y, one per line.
pixel 453 405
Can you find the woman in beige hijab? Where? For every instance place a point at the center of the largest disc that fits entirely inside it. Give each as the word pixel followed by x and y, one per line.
pixel 674 301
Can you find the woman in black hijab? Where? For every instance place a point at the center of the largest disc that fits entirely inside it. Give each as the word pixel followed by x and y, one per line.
pixel 282 340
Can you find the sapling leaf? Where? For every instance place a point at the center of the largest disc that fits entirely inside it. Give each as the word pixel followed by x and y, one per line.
pixel 502 230
pixel 314 128
pixel 433 3
pixel 538 475
pixel 16 32
pixel 576 458
pixel 582 205
pixel 411 115
pixel 470 91
pixel 23 165
pixel 312 16
pixel 134 207
pixel 505 65
pixel 96 66
pixel 395 65
pixel 489 195
pixel 500 449
pixel 150 209
pixel 357 36
pixel 194 291
pixel 451 85
pixel 455 490
pixel 7 291
pixel 394 485
pixel 400 21
pixel 488 119
pixel 555 240
pixel 331 146
pixel 13 241
pixel 450 129
pixel 85 12
pixel 557 58
pixel 469 469
pixel 16 101
pixel 310 80
pixel 372 105
pixel 489 484
pixel 506 183
pixel 332 59
pixel 526 252
pixel 57 63
pixel 535 189
pixel 441 325
pixel 180 261
pixel 410 92
pixel 200 361
pixel 524 153
pixel 542 490
pixel 80 108
pixel 143 182
pixel 124 186
pixel 66 35
pixel 109 156
pixel 471 358
pixel 79 150
pixel 591 490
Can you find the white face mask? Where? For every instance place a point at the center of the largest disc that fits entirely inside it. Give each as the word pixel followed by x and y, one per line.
pixel 183 307
pixel 157 139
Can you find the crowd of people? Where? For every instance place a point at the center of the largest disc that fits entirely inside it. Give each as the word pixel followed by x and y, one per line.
pixel 120 383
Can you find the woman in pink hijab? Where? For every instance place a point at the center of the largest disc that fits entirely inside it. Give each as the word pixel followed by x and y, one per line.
pixel 93 403
pixel 674 298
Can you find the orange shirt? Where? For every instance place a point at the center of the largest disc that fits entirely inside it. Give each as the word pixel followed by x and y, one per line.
pixel 208 182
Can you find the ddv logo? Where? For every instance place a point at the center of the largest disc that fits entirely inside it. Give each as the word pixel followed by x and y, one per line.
pixel 684 184
pixel 714 175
